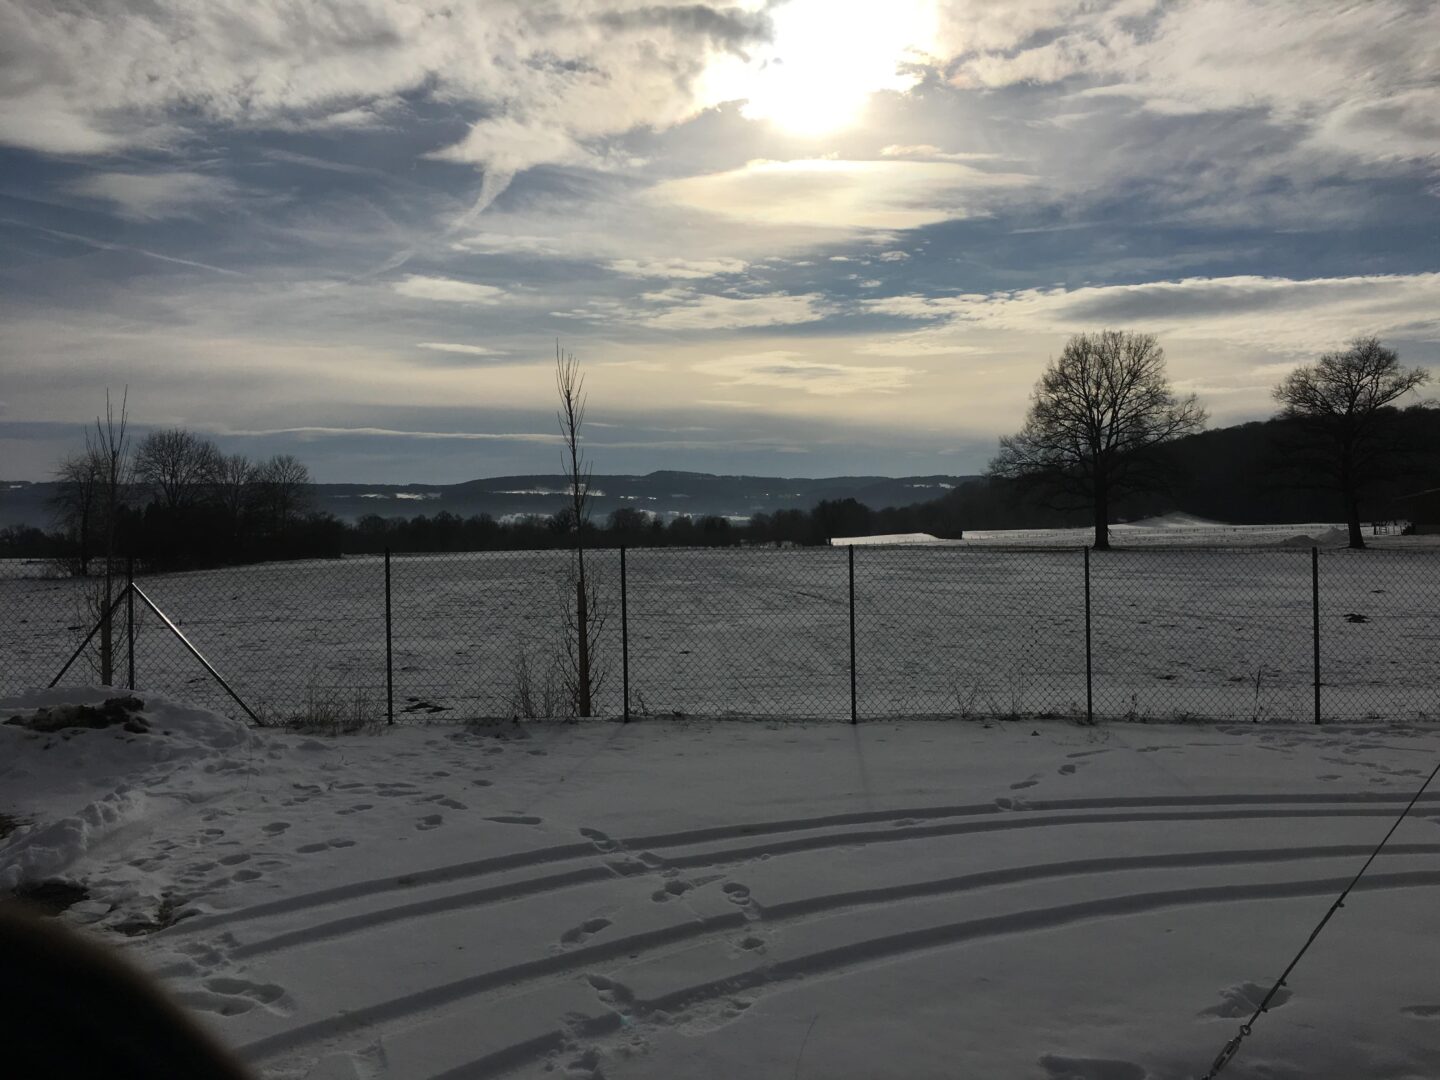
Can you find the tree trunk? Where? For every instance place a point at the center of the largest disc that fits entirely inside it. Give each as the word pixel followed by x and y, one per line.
pixel 1352 516
pixel 107 645
pixel 582 614
pixel 1102 517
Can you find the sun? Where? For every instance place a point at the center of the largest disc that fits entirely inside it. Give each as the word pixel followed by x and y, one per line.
pixel 825 60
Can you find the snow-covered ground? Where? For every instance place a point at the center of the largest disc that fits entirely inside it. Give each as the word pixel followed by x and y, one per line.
pixel 709 900
pixel 984 629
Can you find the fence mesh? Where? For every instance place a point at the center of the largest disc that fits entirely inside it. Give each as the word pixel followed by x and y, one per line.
pixel 937 631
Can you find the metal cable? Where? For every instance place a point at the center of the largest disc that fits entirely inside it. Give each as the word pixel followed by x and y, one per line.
pixel 1233 1046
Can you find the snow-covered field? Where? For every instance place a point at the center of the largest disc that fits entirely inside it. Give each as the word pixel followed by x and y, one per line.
pixel 708 900
pixel 980 629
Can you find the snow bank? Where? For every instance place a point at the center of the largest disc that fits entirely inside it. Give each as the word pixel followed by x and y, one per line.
pixel 74 786
pixel 888 538
pixel 1332 537
pixel 1175 520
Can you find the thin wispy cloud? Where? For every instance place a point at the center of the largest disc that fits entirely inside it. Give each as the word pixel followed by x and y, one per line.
pixel 463 350
pixel 792 371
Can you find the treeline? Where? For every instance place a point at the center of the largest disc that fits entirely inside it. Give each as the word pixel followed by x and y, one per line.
pixel 175 500
pixel 182 503
pixel 624 527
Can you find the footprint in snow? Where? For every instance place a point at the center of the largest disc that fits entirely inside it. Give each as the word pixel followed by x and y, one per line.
pixel 429 821
pixel 1242 1000
pixel 322 845
pixel 275 828
pixel 1065 1068
pixel 231 997
pixel 1422 1012
pixel 577 934
pixel 673 888
pixel 1023 784
pixel 602 842
pixel 512 819
pixel 1067 770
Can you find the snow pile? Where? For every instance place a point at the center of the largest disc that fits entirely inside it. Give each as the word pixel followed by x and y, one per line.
pixel 80 763
pixel 888 538
pixel 1176 519
pixel 1331 537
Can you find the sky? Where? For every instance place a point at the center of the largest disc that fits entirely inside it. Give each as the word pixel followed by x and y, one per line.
pixel 794 237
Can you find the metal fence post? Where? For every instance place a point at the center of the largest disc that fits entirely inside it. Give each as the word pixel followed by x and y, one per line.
pixel 107 637
pixel 624 636
pixel 854 711
pixel 1315 620
pixel 130 618
pixel 389 650
pixel 1089 670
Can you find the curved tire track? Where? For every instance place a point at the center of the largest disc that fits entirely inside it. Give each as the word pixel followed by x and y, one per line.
pixel 522 860
pixel 880 949
pixel 577 960
pixel 325 931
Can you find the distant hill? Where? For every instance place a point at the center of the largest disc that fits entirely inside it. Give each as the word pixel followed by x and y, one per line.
pixel 666 492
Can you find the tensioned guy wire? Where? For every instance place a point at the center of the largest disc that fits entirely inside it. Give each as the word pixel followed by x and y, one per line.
pixel 1233 1046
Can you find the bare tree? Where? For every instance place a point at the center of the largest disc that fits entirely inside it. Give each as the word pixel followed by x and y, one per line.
pixel 110 451
pixel 235 482
pixel 581 620
pixel 1096 417
pixel 1340 403
pixel 178 465
pixel 76 503
pixel 281 483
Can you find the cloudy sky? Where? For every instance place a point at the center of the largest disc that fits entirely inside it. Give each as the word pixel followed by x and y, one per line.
pixel 802 237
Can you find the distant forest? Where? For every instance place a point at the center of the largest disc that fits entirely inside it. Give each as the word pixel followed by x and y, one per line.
pixel 1248 474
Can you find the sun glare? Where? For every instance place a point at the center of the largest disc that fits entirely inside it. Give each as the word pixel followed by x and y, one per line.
pixel 826 59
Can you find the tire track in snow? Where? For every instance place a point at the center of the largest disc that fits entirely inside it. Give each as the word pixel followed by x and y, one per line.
pixel 859 954
pixel 523 860
pixel 324 931
pixel 408 1006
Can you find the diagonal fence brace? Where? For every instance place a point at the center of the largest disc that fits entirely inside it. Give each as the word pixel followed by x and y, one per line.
pixel 131 589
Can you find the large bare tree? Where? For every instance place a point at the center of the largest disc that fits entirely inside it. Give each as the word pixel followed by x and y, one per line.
pixel 1096 418
pixel 178 466
pixel 1341 404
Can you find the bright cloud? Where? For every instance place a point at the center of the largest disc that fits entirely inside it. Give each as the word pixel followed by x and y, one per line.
pixel 447 290
pixel 679 269
pixel 1271 314
pixel 1359 79
pixel 93 79
pixel 152 196
pixel 820 66
pixel 463 350
pixel 787 370
pixel 842 195
pixel 685 309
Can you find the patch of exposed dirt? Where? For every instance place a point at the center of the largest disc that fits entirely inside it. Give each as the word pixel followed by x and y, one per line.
pixel 50 897
pixel 115 712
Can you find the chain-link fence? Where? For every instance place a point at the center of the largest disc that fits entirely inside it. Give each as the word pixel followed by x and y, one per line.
pixel 1278 634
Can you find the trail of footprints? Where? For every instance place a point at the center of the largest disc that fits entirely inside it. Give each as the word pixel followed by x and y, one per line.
pixel 217 868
